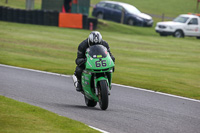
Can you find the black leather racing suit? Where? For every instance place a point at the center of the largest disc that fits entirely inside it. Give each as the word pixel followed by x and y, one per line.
pixel 81 58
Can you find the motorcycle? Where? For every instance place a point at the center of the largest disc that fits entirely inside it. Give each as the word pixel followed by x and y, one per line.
pixel 97 77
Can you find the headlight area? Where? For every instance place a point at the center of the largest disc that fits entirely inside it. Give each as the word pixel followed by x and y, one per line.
pixel 140 19
pixel 143 22
pixel 161 26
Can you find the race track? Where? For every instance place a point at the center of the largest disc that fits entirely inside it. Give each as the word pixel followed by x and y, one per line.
pixel 130 110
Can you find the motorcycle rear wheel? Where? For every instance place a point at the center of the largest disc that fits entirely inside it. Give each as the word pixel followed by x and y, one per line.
pixel 103 95
pixel 90 103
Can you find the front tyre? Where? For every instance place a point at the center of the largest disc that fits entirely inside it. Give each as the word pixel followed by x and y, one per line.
pixel 100 15
pixel 90 103
pixel 178 34
pixel 103 94
pixel 130 21
pixel 162 34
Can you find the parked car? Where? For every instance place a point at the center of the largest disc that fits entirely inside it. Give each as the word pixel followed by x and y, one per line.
pixel 121 12
pixel 183 25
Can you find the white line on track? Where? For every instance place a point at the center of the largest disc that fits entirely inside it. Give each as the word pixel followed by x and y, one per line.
pixel 98 129
pixel 135 88
pixel 35 70
pixel 161 93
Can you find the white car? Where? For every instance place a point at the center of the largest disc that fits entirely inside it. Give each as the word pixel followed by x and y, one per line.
pixel 183 25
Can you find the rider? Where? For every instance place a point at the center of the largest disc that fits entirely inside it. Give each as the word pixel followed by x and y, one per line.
pixel 93 39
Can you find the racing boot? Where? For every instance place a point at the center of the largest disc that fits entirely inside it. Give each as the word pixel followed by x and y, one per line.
pixel 79 87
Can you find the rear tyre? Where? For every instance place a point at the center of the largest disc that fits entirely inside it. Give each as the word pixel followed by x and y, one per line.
pixel 178 34
pixel 103 94
pixel 198 37
pixel 90 103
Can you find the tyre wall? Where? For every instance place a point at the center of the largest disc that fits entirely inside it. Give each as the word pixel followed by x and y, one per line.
pixel 45 17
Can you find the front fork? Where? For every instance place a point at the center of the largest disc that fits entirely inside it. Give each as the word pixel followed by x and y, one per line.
pixel 108 78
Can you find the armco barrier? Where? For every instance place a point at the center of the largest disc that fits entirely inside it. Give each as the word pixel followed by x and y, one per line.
pixel 46 17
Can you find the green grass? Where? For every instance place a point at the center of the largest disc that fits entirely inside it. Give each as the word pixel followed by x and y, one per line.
pixel 143 58
pixel 18 117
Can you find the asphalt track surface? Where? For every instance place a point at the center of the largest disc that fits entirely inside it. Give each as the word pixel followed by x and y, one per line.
pixel 130 110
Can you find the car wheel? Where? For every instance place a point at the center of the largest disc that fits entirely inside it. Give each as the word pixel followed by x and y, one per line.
pixel 178 34
pixel 198 37
pixel 100 15
pixel 130 22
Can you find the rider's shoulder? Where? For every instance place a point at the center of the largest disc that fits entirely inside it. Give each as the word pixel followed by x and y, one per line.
pixel 84 43
pixel 105 43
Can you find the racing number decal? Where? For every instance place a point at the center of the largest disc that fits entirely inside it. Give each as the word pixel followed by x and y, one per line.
pixel 98 63
pixel 101 63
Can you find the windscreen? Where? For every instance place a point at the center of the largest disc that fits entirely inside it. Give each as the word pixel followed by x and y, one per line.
pixel 97 51
pixel 181 19
pixel 131 9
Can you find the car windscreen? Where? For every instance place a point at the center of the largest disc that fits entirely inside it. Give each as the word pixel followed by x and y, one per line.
pixel 181 19
pixel 101 4
pixel 97 51
pixel 131 9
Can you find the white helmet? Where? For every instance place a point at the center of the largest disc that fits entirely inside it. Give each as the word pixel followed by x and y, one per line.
pixel 94 38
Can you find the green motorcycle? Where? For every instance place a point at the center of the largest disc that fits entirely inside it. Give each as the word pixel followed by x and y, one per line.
pixel 97 77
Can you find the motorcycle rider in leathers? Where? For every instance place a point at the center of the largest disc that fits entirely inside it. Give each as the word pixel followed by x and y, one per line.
pixel 93 39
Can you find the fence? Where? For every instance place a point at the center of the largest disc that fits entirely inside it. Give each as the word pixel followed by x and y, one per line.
pixel 162 17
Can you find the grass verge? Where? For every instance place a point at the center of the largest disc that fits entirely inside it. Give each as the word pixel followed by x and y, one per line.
pixel 20 117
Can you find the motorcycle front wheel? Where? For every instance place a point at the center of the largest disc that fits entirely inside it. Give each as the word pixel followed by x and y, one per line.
pixel 103 95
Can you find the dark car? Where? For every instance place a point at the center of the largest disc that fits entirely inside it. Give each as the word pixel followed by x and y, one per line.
pixel 121 12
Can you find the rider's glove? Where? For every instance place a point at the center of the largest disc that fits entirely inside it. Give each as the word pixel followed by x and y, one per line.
pixel 82 61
